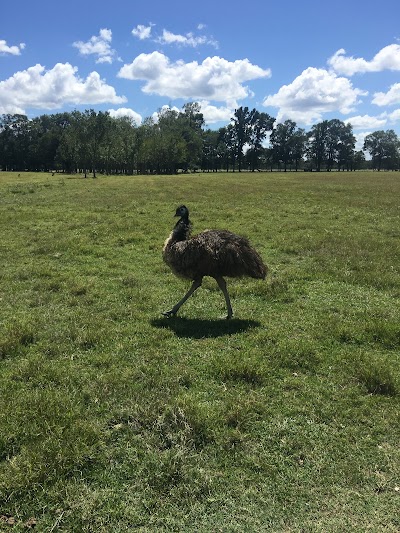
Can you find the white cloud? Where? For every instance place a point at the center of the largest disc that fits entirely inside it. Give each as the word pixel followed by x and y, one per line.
pixel 360 137
pixel 99 45
pixel 14 50
pixel 374 123
pixel 390 118
pixel 313 93
pixel 386 59
pixel 156 115
pixel 126 112
pixel 210 113
pixel 367 122
pixel 186 40
pixel 214 114
pixel 51 89
pixel 168 37
pixel 392 97
pixel 142 32
pixel 394 117
pixel 213 79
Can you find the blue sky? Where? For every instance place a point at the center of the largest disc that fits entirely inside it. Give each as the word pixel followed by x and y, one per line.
pixel 304 60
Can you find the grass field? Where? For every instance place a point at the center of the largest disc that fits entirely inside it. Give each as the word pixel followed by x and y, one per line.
pixel 113 418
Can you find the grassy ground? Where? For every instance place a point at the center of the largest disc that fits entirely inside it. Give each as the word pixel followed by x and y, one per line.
pixel 113 418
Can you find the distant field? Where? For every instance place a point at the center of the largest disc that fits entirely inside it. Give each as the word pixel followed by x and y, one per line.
pixel 285 418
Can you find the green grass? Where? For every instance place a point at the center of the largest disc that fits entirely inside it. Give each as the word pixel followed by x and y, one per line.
pixel 285 418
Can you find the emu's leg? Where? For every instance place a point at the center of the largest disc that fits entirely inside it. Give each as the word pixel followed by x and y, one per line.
pixel 222 285
pixel 195 285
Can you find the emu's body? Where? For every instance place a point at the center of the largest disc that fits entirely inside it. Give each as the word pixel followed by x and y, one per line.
pixel 214 253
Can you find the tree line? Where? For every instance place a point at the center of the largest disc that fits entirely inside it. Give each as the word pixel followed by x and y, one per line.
pixel 177 141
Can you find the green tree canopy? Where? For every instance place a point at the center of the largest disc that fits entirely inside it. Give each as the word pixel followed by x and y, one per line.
pixel 176 140
pixel 384 148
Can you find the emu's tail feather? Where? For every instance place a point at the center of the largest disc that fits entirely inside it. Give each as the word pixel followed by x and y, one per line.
pixel 246 260
pixel 256 267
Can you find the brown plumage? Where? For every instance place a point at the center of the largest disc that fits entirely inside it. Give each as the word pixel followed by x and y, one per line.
pixel 214 253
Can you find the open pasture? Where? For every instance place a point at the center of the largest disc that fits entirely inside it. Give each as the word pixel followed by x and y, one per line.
pixel 113 418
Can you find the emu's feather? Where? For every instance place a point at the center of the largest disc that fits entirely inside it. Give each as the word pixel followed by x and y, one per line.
pixel 214 253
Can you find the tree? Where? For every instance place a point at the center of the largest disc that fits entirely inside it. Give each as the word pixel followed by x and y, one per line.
pixel 339 144
pixel 14 141
pixel 69 150
pixel 298 146
pixel 331 142
pixel 358 160
pixel 127 144
pixel 249 128
pixel 210 159
pixel 384 148
pixel 46 133
pixel 192 122
pixel 95 141
pixel 316 148
pixel 177 134
pixel 227 146
pixel 144 138
pixel 282 142
pixel 260 125
pixel 241 127
pixel 287 144
pixel 346 147
pixel 95 127
pixel 162 148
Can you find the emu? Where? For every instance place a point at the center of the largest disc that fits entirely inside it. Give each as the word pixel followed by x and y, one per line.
pixel 214 253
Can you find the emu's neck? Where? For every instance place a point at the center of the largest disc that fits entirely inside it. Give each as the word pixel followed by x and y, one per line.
pixel 181 231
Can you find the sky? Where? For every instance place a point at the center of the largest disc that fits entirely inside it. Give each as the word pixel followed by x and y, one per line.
pixel 304 60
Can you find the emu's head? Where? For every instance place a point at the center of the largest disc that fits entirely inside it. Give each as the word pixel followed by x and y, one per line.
pixel 182 211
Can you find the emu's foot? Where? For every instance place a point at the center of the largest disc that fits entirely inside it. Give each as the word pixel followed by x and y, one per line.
pixel 169 314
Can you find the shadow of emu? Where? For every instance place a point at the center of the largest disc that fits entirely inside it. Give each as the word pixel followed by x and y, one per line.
pixel 196 328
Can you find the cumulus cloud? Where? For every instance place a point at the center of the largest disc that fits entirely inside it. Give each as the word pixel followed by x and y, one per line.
pixel 142 32
pixel 126 112
pixel 14 50
pixel 213 114
pixel 386 59
pixel 39 88
pixel 168 37
pixel 313 93
pixel 370 124
pixel 360 138
pixel 186 40
pixel 213 79
pixel 394 117
pixel 99 45
pixel 156 115
pixel 367 122
pixel 392 97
